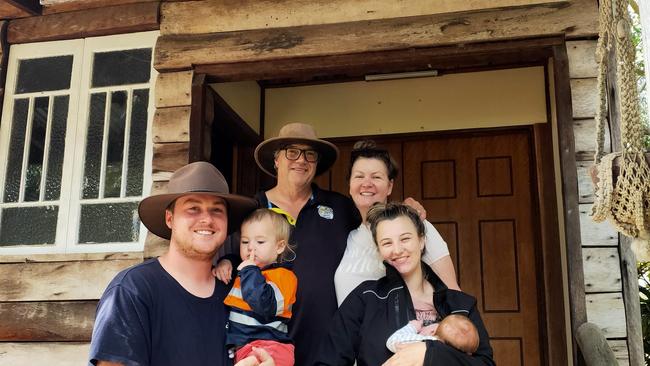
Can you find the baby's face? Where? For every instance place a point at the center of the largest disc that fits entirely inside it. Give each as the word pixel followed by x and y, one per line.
pixel 429 330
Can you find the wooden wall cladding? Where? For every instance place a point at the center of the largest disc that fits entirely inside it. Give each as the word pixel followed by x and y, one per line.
pixel 585 139
pixel 126 18
pixel 47 321
pixel 584 95
pixel 75 280
pixel 171 124
pixel 608 312
pixel 596 233
pixel 575 19
pixel 602 268
pixel 582 59
pixel 220 16
pixel 174 89
pixel 44 353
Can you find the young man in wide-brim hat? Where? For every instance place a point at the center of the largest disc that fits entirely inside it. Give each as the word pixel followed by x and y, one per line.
pixel 169 310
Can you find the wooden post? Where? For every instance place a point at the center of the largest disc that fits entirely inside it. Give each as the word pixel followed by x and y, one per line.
pixel 570 192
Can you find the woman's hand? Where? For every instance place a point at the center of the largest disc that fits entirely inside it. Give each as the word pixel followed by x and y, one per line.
pixel 411 354
pixel 417 206
pixel 223 271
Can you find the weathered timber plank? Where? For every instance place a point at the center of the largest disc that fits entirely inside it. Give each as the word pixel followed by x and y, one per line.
pixel 44 353
pixel 47 321
pixel 174 89
pixel 170 156
pixel 582 59
pixel 578 18
pixel 584 94
pixel 608 312
pixel 619 347
pixel 86 23
pixel 155 246
pixel 78 280
pixel 27 258
pixel 219 16
pixel 602 268
pixel 629 278
pixel 584 131
pixel 8 11
pixel 171 124
pixel 585 185
pixel 596 233
pixel 58 6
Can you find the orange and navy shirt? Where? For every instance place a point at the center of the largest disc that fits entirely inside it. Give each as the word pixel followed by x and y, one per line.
pixel 260 304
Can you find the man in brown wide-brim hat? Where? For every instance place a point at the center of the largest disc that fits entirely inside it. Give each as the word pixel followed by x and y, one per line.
pixel 169 310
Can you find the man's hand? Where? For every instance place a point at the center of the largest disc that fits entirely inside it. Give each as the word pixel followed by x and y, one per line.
pixel 223 271
pixel 250 261
pixel 259 358
pixel 417 206
pixel 411 354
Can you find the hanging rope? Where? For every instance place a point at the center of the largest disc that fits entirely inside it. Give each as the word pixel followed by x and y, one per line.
pixel 627 203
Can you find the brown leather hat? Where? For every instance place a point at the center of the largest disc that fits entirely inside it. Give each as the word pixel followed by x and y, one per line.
pixel 295 133
pixel 199 177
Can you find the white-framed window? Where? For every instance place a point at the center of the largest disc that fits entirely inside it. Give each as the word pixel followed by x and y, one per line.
pixel 75 146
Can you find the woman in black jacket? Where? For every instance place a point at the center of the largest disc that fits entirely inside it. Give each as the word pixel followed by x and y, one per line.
pixel 410 290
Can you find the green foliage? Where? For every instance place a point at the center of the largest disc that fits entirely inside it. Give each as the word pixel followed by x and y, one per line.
pixel 637 39
pixel 644 293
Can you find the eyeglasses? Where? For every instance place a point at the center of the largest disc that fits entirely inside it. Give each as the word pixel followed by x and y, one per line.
pixel 293 153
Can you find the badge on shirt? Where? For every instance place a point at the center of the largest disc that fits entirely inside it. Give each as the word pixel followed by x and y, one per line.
pixel 325 212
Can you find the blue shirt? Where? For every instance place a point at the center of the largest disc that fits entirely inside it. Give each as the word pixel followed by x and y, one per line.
pixel 145 317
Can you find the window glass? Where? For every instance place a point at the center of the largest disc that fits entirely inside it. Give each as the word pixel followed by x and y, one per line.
pixel 16 149
pixel 121 67
pixel 94 140
pixel 36 149
pixel 137 142
pixel 28 225
pixel 115 148
pixel 57 146
pixel 44 74
pixel 109 223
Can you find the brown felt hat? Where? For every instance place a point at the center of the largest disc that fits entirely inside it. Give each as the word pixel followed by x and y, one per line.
pixel 295 133
pixel 200 177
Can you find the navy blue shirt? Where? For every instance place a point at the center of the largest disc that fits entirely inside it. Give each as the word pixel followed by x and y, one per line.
pixel 320 237
pixel 145 317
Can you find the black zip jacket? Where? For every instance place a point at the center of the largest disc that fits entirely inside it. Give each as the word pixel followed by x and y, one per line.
pixel 376 309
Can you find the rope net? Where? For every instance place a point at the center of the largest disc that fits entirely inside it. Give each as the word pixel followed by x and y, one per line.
pixel 625 202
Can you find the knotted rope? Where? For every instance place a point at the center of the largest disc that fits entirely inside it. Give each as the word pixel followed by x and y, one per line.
pixel 627 202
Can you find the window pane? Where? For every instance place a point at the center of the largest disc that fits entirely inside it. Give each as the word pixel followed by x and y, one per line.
pixel 16 148
pixel 137 142
pixel 109 223
pixel 43 74
pixel 36 148
pixel 57 145
pixel 94 141
pixel 121 67
pixel 28 225
pixel 115 148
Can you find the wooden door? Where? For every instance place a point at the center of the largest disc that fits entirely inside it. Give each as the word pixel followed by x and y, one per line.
pixel 477 189
pixel 477 192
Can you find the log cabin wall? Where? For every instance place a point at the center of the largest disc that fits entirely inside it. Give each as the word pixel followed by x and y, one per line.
pixel 601 250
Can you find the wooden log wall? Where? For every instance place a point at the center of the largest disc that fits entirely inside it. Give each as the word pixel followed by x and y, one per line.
pixel 48 301
pixel 600 244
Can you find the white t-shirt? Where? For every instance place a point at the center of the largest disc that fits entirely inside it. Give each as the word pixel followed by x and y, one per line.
pixel 362 261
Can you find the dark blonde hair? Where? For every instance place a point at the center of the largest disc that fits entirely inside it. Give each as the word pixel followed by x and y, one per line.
pixel 281 226
pixel 389 211
pixel 368 149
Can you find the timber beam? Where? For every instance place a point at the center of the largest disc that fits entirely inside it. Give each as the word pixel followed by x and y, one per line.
pixel 576 19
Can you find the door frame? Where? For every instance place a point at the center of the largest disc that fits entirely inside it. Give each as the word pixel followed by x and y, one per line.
pixel 549 52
